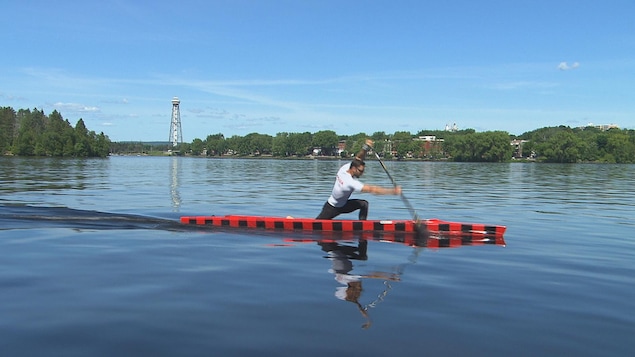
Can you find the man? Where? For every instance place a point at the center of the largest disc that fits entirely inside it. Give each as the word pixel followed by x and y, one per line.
pixel 346 183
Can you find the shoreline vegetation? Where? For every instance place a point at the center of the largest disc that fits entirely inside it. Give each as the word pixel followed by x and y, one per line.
pixel 33 133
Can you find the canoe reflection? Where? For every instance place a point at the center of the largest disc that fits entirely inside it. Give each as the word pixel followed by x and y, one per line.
pixel 428 240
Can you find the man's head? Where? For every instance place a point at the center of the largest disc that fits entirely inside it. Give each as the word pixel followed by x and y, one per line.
pixel 357 168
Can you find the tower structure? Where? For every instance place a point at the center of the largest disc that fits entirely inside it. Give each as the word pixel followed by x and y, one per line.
pixel 176 136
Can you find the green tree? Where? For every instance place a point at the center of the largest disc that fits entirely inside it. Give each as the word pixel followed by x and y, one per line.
pixel 80 149
pixel 259 144
pixel 382 143
pixel 460 147
pixel 291 144
pixel 82 141
pixel 402 143
pixel 27 134
pixel 300 143
pixel 620 147
pixel 235 144
pixel 8 121
pixel 479 147
pixel 41 135
pixel 355 142
pixel 24 144
pixel 216 144
pixel 280 145
pixel 69 147
pixel 327 141
pixel 563 147
pixel 379 136
pixel 197 147
pixel 50 142
pixel 102 145
pixel 497 146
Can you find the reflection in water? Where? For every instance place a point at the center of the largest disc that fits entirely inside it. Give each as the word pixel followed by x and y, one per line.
pixel 343 248
pixel 341 256
pixel 30 175
pixel 174 184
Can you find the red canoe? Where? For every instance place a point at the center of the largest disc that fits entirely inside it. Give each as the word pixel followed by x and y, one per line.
pixel 316 225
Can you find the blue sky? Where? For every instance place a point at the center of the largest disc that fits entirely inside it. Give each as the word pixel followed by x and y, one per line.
pixel 302 65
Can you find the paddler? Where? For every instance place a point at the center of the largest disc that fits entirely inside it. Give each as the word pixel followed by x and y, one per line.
pixel 346 182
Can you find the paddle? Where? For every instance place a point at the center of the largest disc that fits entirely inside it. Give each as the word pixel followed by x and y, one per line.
pixel 420 229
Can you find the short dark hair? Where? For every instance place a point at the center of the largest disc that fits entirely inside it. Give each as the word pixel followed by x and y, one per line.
pixel 357 163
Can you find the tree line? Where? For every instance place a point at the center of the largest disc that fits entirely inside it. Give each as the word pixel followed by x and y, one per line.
pixel 586 144
pixel 560 144
pixel 33 133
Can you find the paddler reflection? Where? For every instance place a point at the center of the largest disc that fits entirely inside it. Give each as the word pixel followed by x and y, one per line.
pixel 341 256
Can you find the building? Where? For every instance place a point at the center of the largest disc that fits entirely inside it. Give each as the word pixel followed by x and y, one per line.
pixel 431 146
pixel 518 147
pixel 453 128
pixel 603 127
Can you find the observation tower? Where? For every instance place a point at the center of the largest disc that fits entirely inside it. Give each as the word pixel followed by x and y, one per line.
pixel 176 136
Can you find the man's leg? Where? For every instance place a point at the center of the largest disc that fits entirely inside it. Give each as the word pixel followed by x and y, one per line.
pixel 328 212
pixel 352 205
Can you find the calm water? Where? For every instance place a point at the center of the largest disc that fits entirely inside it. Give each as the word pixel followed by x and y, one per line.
pixel 94 262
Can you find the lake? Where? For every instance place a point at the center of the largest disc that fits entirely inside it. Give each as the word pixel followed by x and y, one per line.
pixel 94 261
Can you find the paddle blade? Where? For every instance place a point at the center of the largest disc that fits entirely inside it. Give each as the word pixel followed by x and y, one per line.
pixel 422 234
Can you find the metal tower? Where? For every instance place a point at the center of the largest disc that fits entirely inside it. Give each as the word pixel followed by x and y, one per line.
pixel 176 136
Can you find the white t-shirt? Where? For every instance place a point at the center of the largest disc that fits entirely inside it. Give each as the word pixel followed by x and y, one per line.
pixel 345 185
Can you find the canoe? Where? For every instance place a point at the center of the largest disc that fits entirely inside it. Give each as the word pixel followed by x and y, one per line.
pixel 317 225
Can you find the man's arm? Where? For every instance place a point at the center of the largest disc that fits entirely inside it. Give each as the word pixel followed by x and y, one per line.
pixel 361 155
pixel 381 190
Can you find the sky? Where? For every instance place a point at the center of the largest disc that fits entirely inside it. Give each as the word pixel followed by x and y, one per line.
pixel 351 66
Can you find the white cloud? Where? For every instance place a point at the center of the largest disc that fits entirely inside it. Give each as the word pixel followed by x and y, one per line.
pixel 74 108
pixel 564 66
